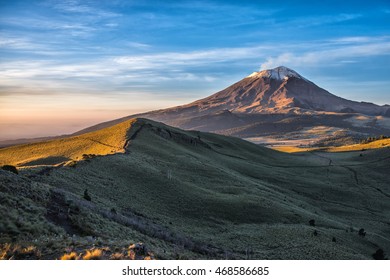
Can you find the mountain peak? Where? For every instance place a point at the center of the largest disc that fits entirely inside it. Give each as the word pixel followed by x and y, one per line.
pixel 278 73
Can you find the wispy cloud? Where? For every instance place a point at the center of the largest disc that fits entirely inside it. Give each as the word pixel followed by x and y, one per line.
pixel 139 45
pixel 112 72
pixel 323 19
pixel 73 28
pixel 74 18
pixel 197 58
pixel 357 47
pixel 15 43
pixel 81 7
pixel 359 39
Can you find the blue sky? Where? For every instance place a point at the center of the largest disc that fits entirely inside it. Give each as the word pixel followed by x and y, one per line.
pixel 68 64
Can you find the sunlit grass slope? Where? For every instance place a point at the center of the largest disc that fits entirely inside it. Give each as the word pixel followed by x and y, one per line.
pixel 378 144
pixel 292 149
pixel 103 142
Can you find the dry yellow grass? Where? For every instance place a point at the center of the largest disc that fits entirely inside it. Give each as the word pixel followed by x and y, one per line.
pixel 17 252
pixel 103 142
pixel 292 149
pixel 4 250
pixel 94 254
pixel 378 144
pixel 69 256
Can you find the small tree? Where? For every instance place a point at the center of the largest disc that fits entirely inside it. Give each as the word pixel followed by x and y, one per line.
pixel 312 223
pixel 86 195
pixel 10 168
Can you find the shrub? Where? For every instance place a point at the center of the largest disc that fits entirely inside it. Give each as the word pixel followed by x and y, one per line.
pixel 312 223
pixel 362 232
pixel 86 195
pixel 333 239
pixel 137 251
pixel 315 233
pixel 379 255
pixel 10 168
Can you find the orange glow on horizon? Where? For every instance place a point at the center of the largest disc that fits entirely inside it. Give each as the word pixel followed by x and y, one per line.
pixel 25 116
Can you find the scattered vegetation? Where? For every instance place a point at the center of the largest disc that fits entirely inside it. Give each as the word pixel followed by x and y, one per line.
pixel 88 156
pixel 374 138
pixel 135 251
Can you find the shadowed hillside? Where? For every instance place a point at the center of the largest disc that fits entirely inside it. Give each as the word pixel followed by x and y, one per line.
pixel 189 194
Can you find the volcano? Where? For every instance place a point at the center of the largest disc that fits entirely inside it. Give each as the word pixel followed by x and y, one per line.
pixel 277 103
pixel 278 90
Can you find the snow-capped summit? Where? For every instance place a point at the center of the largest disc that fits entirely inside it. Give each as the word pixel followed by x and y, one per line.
pixel 278 73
